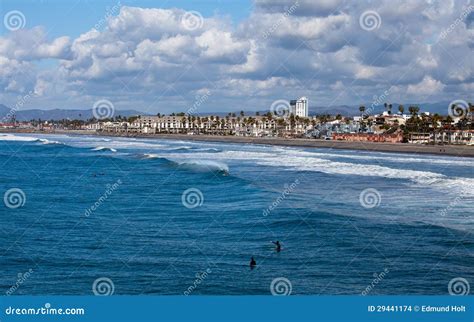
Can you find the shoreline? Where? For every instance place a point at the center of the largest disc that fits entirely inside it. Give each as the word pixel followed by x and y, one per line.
pixel 450 150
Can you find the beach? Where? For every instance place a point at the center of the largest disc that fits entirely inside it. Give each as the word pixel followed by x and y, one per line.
pixel 452 150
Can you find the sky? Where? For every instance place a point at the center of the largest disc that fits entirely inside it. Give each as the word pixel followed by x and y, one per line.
pixel 222 56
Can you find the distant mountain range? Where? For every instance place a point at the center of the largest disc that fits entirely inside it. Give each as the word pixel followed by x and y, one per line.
pixel 58 114
pixel 346 110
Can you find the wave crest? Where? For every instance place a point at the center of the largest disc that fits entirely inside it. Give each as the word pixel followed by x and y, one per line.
pixel 103 148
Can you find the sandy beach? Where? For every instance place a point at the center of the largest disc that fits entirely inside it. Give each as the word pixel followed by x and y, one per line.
pixel 453 150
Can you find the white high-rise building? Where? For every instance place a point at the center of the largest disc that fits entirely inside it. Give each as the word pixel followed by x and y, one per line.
pixel 299 107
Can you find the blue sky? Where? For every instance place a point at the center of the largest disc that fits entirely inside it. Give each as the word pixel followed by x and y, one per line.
pixel 163 56
pixel 72 17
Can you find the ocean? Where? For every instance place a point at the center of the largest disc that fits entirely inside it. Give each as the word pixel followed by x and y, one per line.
pixel 160 217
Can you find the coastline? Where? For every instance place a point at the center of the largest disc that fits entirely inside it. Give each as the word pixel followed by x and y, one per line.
pixel 451 150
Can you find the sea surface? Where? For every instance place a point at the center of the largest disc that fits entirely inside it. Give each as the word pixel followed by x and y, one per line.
pixel 176 217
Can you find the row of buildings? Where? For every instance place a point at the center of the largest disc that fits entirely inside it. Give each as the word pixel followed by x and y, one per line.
pixel 294 122
pixel 378 128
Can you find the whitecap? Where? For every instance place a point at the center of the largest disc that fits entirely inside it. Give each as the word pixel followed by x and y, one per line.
pixel 11 137
pixel 103 148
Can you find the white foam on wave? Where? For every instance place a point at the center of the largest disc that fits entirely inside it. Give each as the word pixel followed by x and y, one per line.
pixel 302 161
pixel 179 148
pixel 46 141
pixel 195 164
pixel 396 158
pixel 11 137
pixel 103 148
pixel 205 165
pixel 151 156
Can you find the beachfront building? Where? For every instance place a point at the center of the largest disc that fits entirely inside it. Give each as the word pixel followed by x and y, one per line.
pixel 190 124
pixel 464 137
pixel 396 137
pixel 299 107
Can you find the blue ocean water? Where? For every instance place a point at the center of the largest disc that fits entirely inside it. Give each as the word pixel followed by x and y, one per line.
pixel 170 217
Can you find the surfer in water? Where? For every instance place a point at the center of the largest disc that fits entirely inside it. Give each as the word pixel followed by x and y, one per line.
pixel 278 245
pixel 253 263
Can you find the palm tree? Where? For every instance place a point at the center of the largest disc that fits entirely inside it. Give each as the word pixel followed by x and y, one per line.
pixel 414 110
pixel 401 109
pixel 362 110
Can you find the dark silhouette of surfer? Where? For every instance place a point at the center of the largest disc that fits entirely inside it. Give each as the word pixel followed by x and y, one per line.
pixel 278 245
pixel 253 263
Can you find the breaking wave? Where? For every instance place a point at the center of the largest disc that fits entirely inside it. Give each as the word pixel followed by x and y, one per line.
pixel 196 165
pixel 46 141
pixel 103 148
pixel 11 137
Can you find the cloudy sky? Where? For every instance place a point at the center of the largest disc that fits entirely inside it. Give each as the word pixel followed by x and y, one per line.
pixel 164 56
